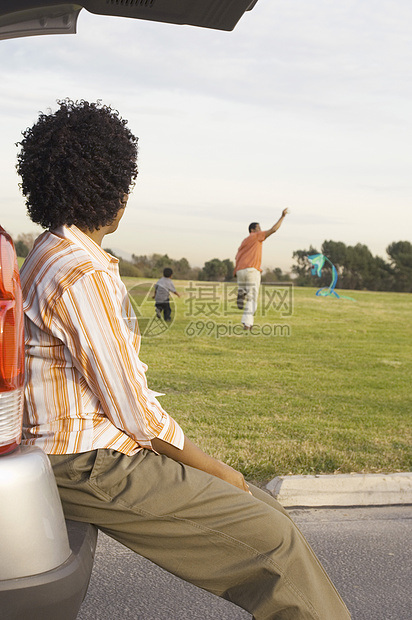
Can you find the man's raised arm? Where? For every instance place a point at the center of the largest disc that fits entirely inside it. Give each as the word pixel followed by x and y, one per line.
pixel 276 226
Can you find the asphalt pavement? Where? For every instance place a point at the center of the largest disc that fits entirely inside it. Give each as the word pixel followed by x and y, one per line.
pixel 365 549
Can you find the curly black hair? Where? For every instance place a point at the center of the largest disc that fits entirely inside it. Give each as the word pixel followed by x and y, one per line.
pixel 76 165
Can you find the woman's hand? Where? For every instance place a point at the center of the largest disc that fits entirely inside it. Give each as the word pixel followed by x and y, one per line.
pixel 227 473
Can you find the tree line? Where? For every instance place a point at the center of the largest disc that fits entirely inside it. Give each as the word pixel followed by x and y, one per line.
pixel 357 268
pixel 214 270
pixel 152 267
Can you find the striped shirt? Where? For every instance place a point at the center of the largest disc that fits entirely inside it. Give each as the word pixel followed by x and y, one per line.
pixel 85 384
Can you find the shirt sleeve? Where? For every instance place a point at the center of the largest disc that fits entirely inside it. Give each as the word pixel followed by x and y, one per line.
pixel 95 321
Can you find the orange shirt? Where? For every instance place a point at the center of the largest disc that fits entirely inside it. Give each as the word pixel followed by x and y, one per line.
pixel 249 253
pixel 85 384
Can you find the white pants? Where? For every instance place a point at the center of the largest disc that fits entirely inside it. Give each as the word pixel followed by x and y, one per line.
pixel 249 280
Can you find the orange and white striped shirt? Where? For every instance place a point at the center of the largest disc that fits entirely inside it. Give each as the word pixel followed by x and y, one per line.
pixel 85 384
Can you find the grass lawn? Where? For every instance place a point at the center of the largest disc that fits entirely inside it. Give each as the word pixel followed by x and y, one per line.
pixel 325 388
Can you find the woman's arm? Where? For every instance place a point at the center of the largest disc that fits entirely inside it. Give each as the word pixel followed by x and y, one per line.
pixel 195 457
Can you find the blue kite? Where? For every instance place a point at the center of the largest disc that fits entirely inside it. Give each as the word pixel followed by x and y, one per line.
pixel 318 261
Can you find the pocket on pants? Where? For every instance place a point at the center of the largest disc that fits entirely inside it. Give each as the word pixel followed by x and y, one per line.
pixel 111 470
pixel 72 467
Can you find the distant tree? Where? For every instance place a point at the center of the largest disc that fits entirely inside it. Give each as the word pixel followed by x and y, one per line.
pixel 158 263
pixel 181 269
pixel 230 267
pixel 21 248
pixel 24 243
pixel 275 275
pixel 336 251
pixel 28 239
pixel 152 266
pixel 357 268
pixel 126 268
pixel 384 276
pixel 303 269
pixel 194 273
pixel 143 263
pixel 214 270
pixel 400 253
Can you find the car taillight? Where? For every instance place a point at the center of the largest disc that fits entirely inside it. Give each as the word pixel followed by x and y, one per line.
pixel 11 347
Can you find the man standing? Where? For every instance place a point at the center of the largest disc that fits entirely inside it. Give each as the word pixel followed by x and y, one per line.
pixel 120 460
pixel 248 268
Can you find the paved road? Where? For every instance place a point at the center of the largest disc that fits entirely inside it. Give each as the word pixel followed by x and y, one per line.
pixel 366 551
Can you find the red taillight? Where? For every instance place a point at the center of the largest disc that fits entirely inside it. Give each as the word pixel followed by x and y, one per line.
pixel 11 347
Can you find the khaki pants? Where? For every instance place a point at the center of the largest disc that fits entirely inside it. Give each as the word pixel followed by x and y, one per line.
pixel 249 280
pixel 241 547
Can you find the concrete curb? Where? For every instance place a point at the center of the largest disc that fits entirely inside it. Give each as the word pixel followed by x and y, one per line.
pixel 342 490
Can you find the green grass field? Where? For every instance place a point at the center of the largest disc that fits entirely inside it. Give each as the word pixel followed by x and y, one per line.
pixel 325 388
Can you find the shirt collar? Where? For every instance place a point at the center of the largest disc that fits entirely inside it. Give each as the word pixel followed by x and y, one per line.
pixel 75 235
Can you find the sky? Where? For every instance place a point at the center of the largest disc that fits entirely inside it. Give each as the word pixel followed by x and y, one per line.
pixel 305 105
